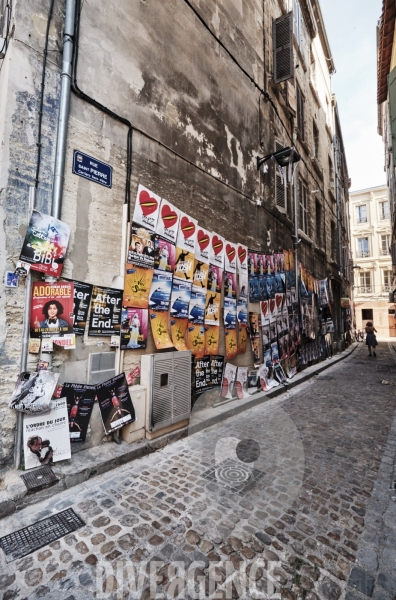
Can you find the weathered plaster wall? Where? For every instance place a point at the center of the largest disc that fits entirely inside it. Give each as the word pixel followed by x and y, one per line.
pixel 156 64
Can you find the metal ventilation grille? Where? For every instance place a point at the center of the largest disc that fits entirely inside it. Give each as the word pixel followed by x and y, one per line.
pixel 101 367
pixel 162 394
pixel 182 387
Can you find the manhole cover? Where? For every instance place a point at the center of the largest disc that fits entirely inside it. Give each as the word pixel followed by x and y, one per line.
pixel 31 538
pixel 39 479
pixel 234 476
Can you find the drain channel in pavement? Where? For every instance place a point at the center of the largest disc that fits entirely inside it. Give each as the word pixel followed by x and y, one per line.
pixel 24 541
pixel 39 478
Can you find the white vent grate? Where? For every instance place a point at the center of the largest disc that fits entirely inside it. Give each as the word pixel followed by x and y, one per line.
pixel 101 367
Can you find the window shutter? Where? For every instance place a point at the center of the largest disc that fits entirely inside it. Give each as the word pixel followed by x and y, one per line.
pixel 280 185
pixel 283 48
pixel 392 109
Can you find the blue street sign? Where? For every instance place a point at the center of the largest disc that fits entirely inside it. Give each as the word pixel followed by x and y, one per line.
pixel 92 169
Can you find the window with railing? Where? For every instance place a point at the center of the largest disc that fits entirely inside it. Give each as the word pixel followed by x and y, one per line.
pixel 361 214
pixel 387 279
pixel 363 247
pixel 365 283
pixel 383 211
pixel 385 245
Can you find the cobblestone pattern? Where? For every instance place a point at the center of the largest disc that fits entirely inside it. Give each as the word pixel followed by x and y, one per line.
pixel 375 573
pixel 298 534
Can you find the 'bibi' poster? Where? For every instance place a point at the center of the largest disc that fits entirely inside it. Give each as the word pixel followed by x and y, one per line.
pixel 51 311
pixel 80 400
pixel 45 244
pixel 105 313
pixel 115 403
pixel 134 328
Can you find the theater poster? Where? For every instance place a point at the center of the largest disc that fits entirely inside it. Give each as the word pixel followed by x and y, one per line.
pixel 46 436
pixel 164 256
pixel 160 329
pixel 141 251
pixel 217 250
pixel 115 403
pixel 242 339
pixel 202 246
pixel 217 368
pixel 45 244
pixel 146 208
pixel 230 313
pixel 212 309
pixel 230 258
pixel 228 383
pixel 180 299
pixel 160 290
pixel 202 376
pixel 187 233
pixel 80 399
pixel 178 333
pixel 264 308
pixel 200 274
pixel 51 310
pixel 242 259
pixel 241 383
pixel 252 263
pixel 168 221
pixel 137 286
pixel 197 306
pixel 231 343
pixel 82 300
pixel 184 265
pixel 215 278
pixel 230 287
pixel 134 328
pixel 105 311
pixel 212 339
pixel 196 340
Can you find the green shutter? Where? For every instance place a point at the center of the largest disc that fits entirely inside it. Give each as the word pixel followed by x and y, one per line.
pixel 392 109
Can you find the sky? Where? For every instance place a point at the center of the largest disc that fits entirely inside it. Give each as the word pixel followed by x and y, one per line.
pixel 351 29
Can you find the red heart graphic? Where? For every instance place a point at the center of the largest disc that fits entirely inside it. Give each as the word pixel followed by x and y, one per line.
pixel 272 305
pixel 217 245
pixel 187 227
pixel 169 216
pixel 241 254
pixel 278 300
pixel 147 203
pixel 264 308
pixel 230 250
pixel 203 239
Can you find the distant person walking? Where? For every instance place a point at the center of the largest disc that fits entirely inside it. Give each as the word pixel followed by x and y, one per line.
pixel 371 340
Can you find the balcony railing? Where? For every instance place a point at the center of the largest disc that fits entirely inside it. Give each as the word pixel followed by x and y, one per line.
pixel 365 289
pixel 363 253
pixel 362 220
pixel 385 251
pixel 387 288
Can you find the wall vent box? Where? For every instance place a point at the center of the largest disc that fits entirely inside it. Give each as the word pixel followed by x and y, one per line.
pixel 167 378
pixel 101 367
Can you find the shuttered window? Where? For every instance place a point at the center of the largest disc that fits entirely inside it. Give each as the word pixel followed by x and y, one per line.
pixel 392 109
pixel 283 48
pixel 300 112
pixel 280 183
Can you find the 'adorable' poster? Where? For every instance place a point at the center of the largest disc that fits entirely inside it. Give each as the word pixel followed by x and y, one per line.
pixel 51 311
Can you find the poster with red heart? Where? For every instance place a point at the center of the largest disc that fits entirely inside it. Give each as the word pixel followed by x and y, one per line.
pixel 242 259
pixel 168 221
pixel 187 233
pixel 202 246
pixel 217 251
pixel 146 208
pixel 264 308
pixel 230 257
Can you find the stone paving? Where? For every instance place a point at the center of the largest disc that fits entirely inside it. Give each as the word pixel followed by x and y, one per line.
pixel 289 500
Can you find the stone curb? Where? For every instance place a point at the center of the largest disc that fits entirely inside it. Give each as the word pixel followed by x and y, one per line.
pixel 100 459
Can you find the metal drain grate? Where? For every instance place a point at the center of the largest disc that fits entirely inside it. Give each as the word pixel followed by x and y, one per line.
pixel 39 479
pixel 234 476
pixel 31 538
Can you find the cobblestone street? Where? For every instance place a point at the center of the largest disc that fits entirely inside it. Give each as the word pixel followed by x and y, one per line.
pixel 291 500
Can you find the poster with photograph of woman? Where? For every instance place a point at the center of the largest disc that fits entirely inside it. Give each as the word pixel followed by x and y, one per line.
pixel 229 285
pixel 134 328
pixel 215 278
pixel 164 255
pixel 115 403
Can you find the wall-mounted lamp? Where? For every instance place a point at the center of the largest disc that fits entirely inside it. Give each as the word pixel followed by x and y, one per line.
pixel 283 157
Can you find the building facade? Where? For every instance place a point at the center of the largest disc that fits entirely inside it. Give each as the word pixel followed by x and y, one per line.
pixel 181 97
pixel 371 243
